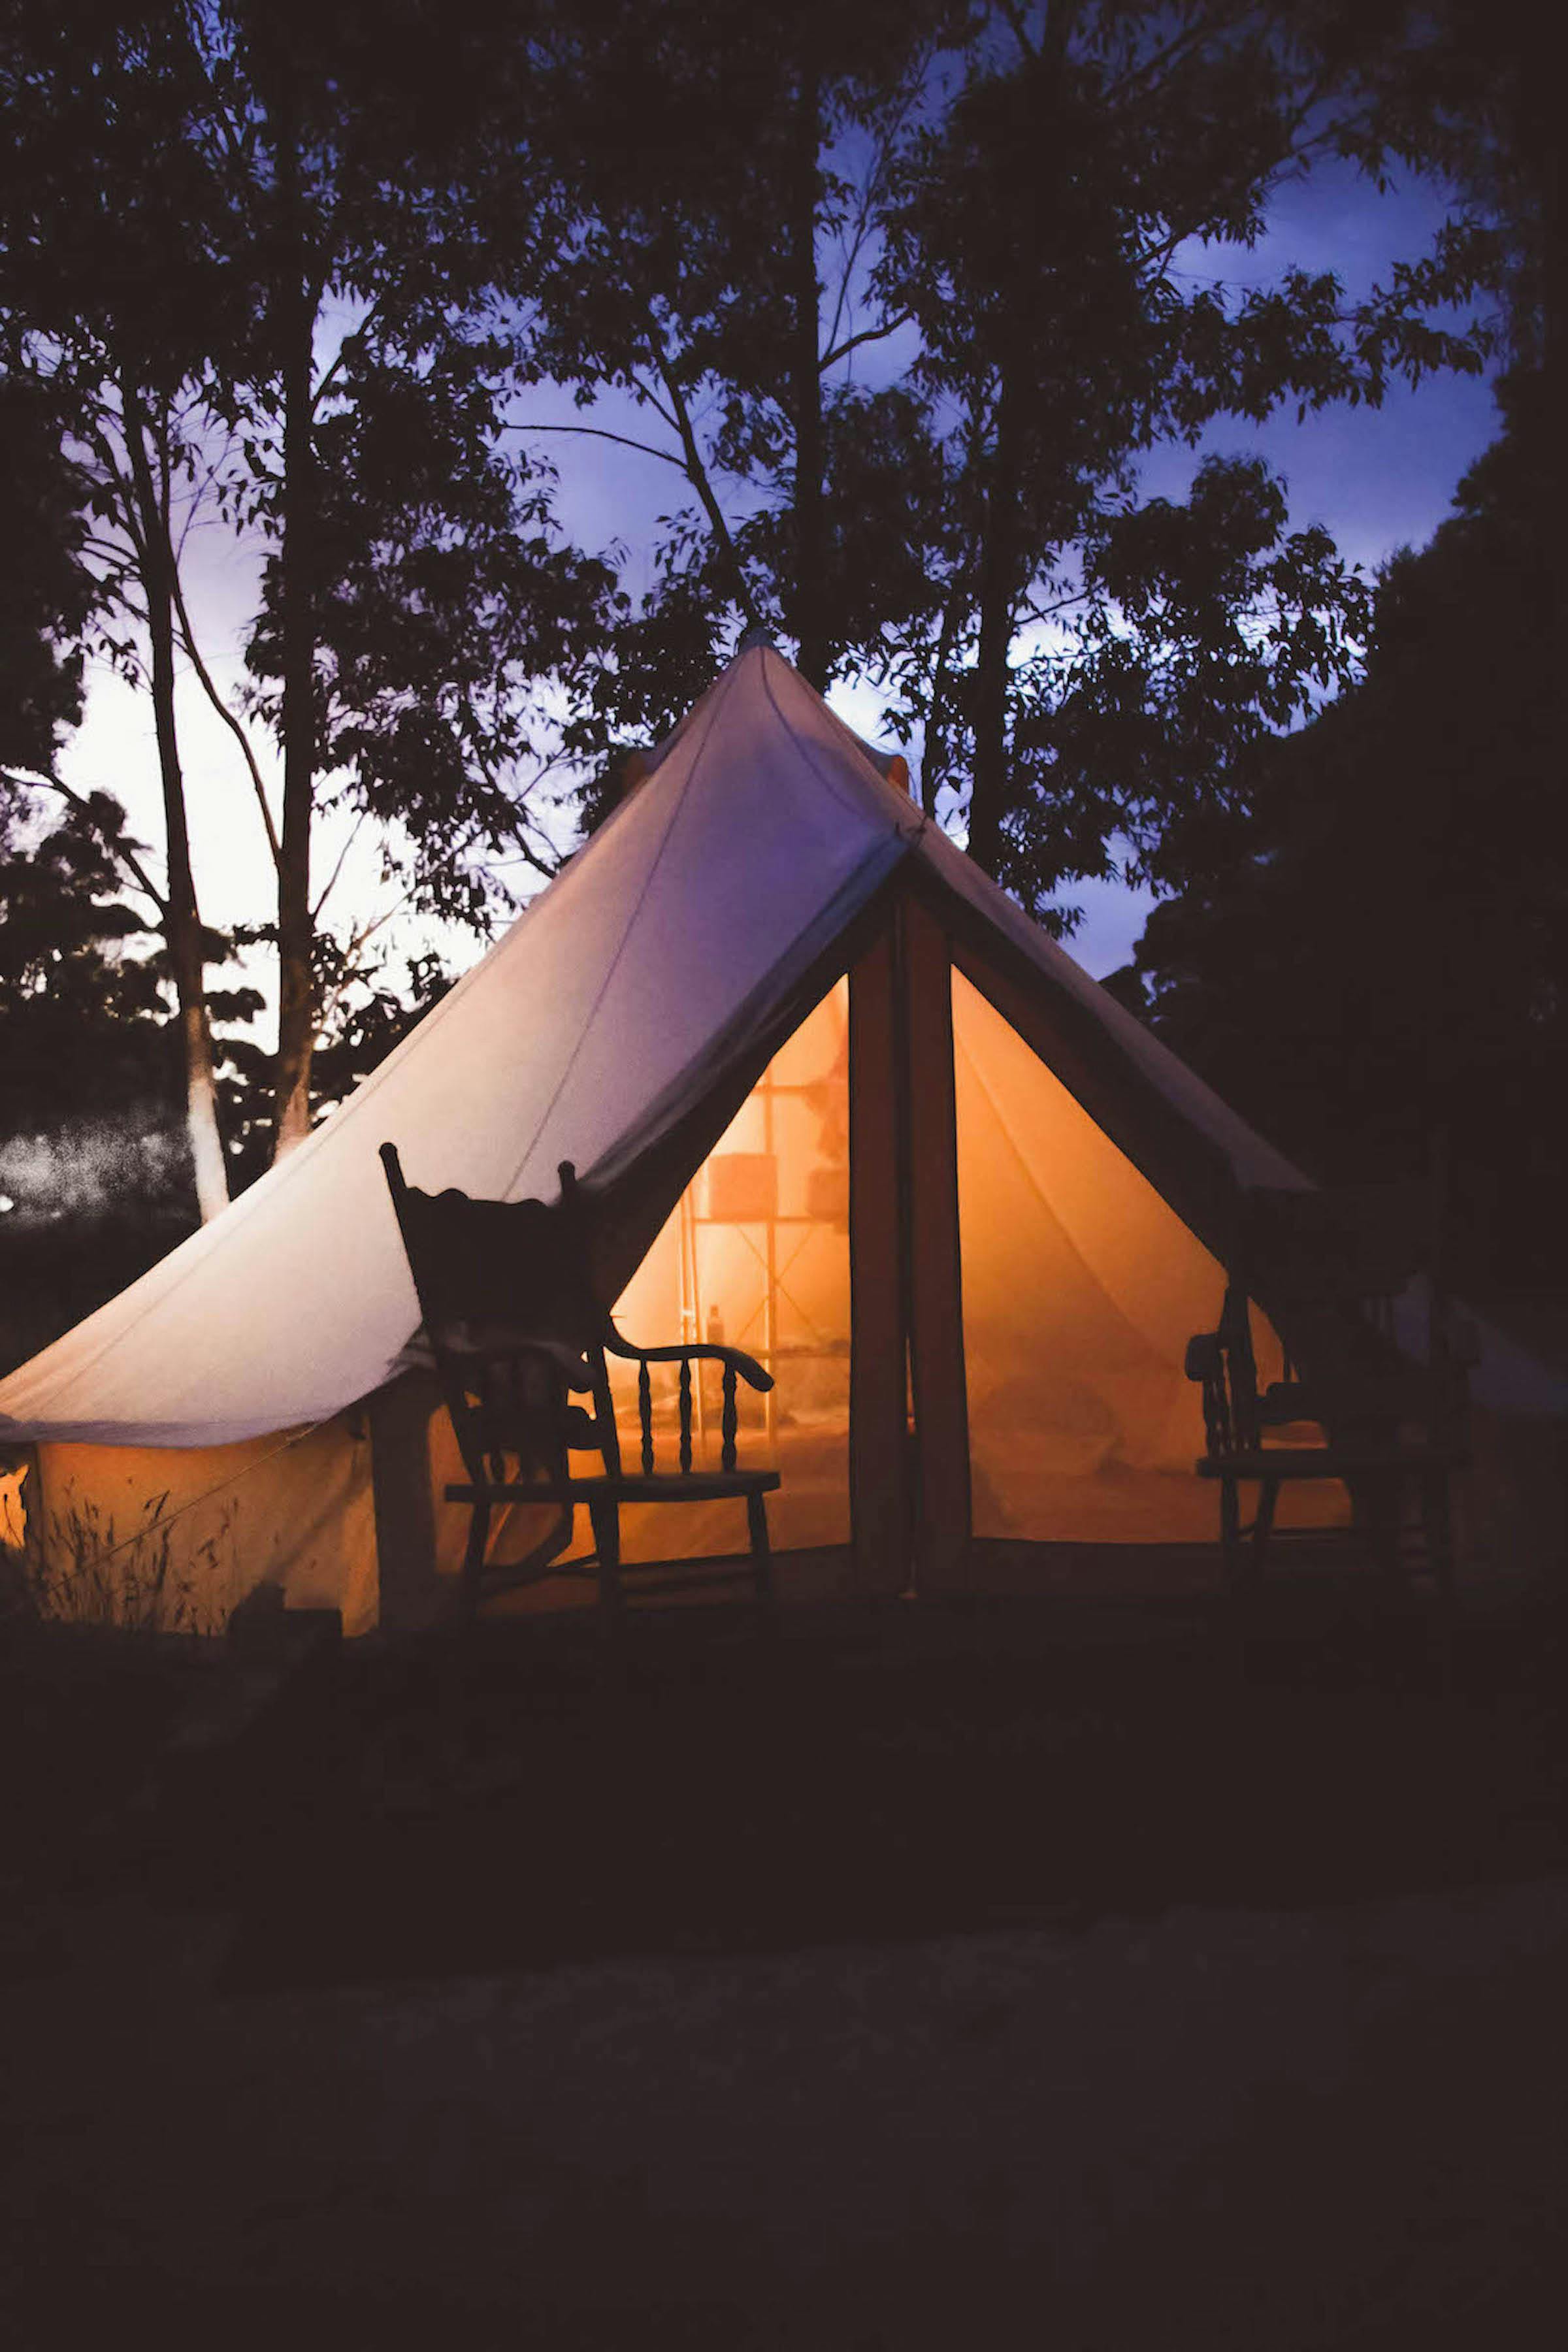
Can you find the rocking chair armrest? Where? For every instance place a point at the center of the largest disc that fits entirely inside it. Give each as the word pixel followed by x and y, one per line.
pixel 1204 1358
pixel 494 1343
pixel 1287 1401
pixel 702 1351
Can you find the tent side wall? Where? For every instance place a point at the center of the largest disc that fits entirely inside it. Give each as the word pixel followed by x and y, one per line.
pixel 1141 1205
pixel 173 1538
pixel 1027 1380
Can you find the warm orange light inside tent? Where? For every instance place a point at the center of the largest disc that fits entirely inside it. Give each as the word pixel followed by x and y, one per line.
pixel 1081 1288
pixel 756 1255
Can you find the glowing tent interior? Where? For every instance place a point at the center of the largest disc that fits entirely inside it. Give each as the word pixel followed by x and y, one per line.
pixel 837 1100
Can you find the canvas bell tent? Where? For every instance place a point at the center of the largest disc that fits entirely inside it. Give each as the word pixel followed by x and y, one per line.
pixel 836 1100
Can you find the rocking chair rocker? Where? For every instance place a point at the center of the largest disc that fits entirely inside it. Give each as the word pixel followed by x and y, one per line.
pixel 1328 1266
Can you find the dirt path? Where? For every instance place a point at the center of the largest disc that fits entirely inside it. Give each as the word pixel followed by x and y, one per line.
pixel 1208 2129
pixel 728 2035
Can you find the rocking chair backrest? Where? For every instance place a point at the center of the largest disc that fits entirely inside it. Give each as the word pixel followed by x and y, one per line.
pixel 1355 1245
pixel 1328 1268
pixel 514 1324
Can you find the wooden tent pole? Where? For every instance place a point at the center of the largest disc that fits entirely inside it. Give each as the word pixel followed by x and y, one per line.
pixel 929 1175
pixel 882 1506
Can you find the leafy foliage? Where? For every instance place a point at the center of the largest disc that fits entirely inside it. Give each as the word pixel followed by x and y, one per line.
pixel 925 312
pixel 446 609
pixel 1096 658
pixel 47 592
pixel 1382 951
pixel 1010 216
pixel 93 1173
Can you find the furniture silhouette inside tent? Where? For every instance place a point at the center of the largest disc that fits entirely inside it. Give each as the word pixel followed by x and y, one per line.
pixel 1351 1407
pixel 517 1334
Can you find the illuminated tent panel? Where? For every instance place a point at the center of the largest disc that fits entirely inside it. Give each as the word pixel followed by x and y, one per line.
pixel 175 1537
pixel 1080 1288
pixel 756 1255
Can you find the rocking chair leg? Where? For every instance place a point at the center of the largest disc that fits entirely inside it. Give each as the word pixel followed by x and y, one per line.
pixel 474 1560
pixel 1383 1503
pixel 607 1519
pixel 761 1556
pixel 1236 1613
pixel 1435 1512
pixel 1262 1528
pixel 1230 1536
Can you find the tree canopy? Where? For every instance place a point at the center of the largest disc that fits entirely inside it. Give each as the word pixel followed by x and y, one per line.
pixel 929 317
pixel 1377 953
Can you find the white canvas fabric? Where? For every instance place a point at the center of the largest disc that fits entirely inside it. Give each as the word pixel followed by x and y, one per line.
pixel 594 1021
pixel 1254 1160
pixel 651 968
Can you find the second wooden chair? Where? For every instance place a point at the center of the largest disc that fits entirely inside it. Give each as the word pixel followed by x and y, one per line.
pixel 1332 1268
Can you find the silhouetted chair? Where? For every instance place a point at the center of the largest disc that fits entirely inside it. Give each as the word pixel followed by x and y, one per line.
pixel 517 1334
pixel 1328 1268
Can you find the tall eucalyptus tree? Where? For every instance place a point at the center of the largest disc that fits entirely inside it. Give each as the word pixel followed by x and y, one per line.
pixel 111 295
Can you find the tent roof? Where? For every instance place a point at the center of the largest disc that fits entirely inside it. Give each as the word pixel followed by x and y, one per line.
pixel 650 969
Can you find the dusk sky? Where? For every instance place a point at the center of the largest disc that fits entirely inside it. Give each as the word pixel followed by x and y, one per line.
pixel 1378 479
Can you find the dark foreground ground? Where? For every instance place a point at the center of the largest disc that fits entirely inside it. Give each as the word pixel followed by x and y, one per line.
pixel 924 1979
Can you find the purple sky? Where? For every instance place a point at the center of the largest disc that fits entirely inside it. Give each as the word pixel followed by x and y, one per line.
pixel 1378 479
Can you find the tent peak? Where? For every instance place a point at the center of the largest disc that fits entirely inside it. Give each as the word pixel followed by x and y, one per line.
pixel 759 634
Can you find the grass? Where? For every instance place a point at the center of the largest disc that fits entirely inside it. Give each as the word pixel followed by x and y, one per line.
pixel 415 1817
pixel 406 1809
pixel 86 1571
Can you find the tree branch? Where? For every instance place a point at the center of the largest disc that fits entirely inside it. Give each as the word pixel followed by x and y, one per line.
pixel 125 498
pixel 1177 48
pixel 891 127
pixel 597 433
pixel 356 335
pixel 515 817
pixel 644 392
pixel 354 834
pixel 188 643
pixel 199 489
pixel 127 857
pixel 1288 153
pixel 357 941
pixel 1015 17
pixel 695 472
pixel 866 335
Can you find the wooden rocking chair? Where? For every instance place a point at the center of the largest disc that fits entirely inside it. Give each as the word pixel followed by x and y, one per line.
pixel 517 1333
pixel 1327 1268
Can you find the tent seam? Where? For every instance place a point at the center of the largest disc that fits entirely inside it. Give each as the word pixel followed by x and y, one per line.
pixel 240 1212
pixel 1140 1336
pixel 248 1469
pixel 807 753
pixel 699 753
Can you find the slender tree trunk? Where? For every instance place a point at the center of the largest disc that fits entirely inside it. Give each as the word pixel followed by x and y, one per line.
pixel 989 796
pixel 1004 560
pixel 296 928
pixel 809 615
pixel 182 917
pixel 937 748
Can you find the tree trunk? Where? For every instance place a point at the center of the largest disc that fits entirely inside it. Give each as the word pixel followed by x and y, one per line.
pixel 182 916
pixel 988 796
pixel 937 748
pixel 296 929
pixel 808 613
